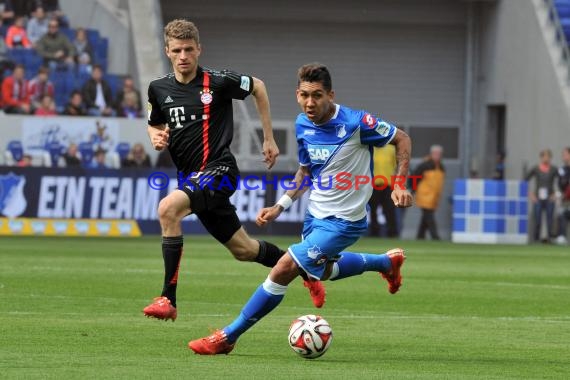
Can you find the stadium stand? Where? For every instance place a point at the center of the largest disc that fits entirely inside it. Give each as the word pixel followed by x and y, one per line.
pixel 66 81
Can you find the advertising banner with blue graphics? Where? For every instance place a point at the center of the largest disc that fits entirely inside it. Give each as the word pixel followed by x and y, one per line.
pixel 119 197
pixel 39 133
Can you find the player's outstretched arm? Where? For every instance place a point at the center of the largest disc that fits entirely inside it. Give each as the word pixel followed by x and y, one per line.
pixel 158 136
pixel 268 214
pixel 270 149
pixel 400 195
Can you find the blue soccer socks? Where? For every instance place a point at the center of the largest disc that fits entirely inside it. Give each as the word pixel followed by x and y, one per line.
pixel 267 296
pixel 352 264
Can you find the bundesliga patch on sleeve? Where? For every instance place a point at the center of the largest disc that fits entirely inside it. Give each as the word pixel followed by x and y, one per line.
pixel 149 109
pixel 382 128
pixel 244 83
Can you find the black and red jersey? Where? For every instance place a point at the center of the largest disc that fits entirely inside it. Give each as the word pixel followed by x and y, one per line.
pixel 200 116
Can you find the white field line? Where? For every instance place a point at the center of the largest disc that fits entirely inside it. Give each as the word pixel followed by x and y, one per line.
pixel 427 317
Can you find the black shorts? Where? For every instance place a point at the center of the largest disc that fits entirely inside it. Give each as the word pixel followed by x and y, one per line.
pixel 209 192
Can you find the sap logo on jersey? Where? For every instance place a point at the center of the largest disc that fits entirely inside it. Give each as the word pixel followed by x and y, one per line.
pixel 320 153
pixel 369 120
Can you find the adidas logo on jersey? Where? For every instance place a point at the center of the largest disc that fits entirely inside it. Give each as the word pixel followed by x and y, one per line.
pixel 168 100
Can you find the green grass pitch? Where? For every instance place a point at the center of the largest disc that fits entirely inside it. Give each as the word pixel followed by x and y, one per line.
pixel 72 309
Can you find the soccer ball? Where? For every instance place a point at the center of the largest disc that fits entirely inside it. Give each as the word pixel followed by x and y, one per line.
pixel 310 336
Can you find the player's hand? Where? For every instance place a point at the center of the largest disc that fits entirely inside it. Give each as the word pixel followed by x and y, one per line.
pixel 270 152
pixel 160 139
pixel 267 214
pixel 402 197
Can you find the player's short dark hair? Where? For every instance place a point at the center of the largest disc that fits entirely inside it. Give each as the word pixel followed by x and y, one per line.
pixel 315 72
pixel 181 29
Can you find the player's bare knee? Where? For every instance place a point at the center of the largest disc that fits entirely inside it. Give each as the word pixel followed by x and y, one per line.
pixel 167 212
pixel 285 270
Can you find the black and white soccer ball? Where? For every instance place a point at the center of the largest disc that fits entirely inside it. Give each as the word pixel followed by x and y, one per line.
pixel 310 336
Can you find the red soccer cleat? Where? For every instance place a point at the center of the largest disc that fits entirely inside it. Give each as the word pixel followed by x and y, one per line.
pixel 161 309
pixel 317 292
pixel 214 344
pixel 394 277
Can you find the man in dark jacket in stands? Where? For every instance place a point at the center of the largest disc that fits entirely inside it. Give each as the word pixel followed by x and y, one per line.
pixel 56 49
pixel 97 94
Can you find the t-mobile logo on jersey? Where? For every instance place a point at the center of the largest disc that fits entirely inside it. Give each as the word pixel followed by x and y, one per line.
pixel 177 115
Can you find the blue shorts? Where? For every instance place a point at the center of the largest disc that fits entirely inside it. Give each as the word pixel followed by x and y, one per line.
pixel 323 240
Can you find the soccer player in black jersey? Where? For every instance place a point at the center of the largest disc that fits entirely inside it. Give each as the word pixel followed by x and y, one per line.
pixel 190 113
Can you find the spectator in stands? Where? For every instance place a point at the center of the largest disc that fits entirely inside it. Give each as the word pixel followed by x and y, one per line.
pixel 97 94
pixel 129 107
pixel 37 26
pixel 16 36
pixel 83 51
pixel 128 87
pixel 5 62
pixel 53 10
pixel 47 107
pixel 15 96
pixel 137 158
pixel 99 160
pixel 23 8
pixel 75 106
pixel 56 49
pixel 564 185
pixel 40 86
pixel 25 162
pixel 543 197
pixel 164 160
pixel 6 12
pixel 71 157
pixel 428 191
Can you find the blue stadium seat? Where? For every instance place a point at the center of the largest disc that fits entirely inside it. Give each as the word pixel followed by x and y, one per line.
pixel 123 149
pixel 55 150
pixel 114 81
pixel 33 62
pixel 93 37
pixel 86 152
pixel 16 150
pixel 70 33
pixel 59 79
pixel 101 51
pixel 18 56
pixel 81 79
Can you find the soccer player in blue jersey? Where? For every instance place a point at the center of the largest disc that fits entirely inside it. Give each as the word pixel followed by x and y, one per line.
pixel 335 146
